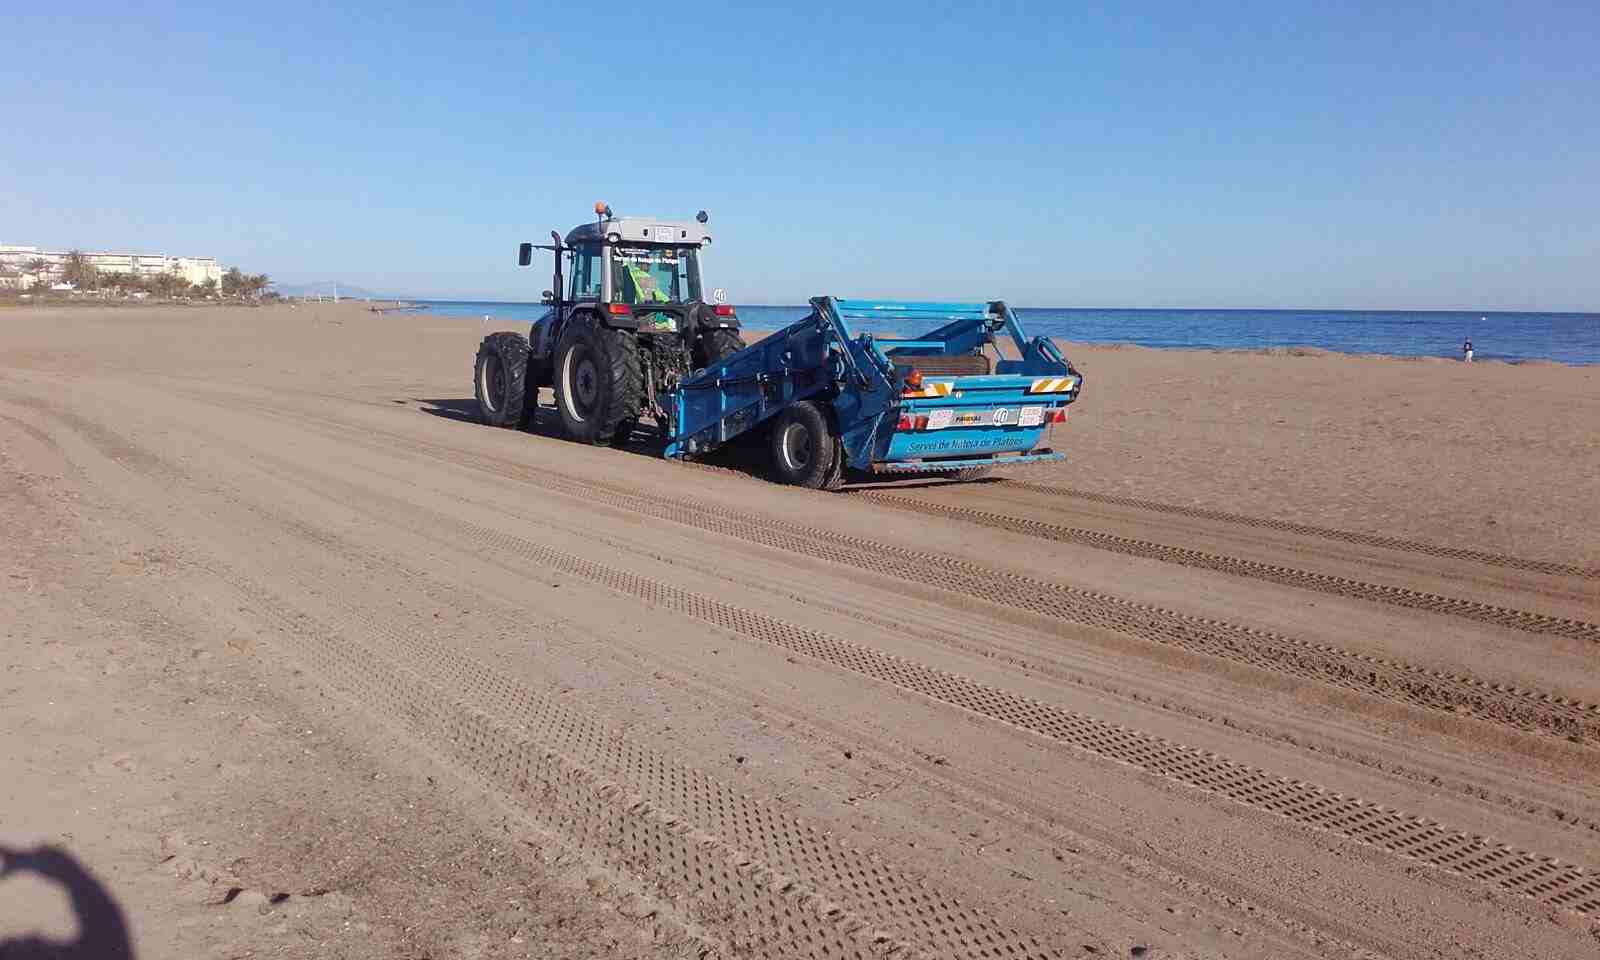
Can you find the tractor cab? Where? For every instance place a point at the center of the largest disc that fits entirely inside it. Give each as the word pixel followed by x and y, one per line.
pixel 628 319
pixel 640 273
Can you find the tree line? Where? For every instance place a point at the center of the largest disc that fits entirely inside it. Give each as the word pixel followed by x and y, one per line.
pixel 79 270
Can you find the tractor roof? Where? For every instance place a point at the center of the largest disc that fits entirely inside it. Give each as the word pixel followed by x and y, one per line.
pixel 641 230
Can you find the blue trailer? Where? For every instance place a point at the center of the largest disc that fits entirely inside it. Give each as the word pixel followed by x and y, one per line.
pixel 830 399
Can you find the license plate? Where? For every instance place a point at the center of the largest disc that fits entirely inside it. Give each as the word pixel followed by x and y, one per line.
pixel 1031 417
pixel 939 419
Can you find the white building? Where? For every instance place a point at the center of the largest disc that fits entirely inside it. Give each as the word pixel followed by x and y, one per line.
pixel 17 265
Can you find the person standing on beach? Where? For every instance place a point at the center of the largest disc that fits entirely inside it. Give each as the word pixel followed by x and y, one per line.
pixel 1466 351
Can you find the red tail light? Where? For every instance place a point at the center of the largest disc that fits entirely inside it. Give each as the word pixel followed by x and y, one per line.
pixel 908 422
pixel 1058 415
pixel 723 309
pixel 619 309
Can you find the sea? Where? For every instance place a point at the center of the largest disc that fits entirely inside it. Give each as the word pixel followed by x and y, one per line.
pixel 1572 338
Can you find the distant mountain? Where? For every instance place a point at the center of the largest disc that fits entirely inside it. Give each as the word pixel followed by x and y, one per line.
pixel 326 288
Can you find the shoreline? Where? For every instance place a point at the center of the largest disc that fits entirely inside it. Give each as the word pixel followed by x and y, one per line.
pixel 1298 350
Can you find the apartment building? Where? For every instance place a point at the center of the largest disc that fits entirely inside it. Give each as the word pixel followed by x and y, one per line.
pixel 17 265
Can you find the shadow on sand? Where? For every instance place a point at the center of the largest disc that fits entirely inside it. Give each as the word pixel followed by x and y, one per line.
pixel 746 455
pixel 102 930
pixel 743 456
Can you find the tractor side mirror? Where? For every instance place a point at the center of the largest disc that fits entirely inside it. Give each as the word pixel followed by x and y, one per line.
pixel 548 297
pixel 524 254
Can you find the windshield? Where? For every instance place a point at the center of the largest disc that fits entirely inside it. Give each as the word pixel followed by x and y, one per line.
pixel 655 274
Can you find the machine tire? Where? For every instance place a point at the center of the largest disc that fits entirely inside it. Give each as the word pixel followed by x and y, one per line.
pixel 599 381
pixel 805 449
pixel 835 478
pixel 714 345
pixel 500 381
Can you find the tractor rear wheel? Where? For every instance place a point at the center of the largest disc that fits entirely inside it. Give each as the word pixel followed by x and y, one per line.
pixel 599 380
pixel 500 381
pixel 716 345
pixel 806 451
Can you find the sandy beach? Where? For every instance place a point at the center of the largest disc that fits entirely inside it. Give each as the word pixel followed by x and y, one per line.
pixel 1293 657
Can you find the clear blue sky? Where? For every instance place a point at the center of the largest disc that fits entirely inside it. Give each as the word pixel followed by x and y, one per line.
pixel 1405 156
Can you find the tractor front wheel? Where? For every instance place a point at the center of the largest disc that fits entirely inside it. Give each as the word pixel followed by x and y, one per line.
pixel 805 449
pixel 500 381
pixel 599 381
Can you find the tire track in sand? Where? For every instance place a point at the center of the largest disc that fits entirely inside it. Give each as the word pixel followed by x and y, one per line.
pixel 288 472
pixel 1392 679
pixel 1325 583
pixel 1541 878
pixel 1552 567
pixel 784 887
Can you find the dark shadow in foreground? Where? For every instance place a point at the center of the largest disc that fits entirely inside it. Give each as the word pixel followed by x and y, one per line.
pixel 102 930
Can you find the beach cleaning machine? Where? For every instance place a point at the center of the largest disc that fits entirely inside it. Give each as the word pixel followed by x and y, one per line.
pixel 832 400
pixel 630 334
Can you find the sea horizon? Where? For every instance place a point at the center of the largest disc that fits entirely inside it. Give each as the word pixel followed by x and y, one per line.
pixel 1497 335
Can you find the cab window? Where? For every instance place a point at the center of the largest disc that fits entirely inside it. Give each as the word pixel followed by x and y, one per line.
pixel 642 275
pixel 583 273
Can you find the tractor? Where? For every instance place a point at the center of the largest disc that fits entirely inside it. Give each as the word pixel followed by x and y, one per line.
pixel 628 320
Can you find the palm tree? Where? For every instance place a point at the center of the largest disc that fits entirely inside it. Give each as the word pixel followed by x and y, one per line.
pixel 233 282
pixel 39 266
pixel 258 283
pixel 77 269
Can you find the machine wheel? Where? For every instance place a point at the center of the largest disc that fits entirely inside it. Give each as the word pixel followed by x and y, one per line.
pixel 599 381
pixel 500 381
pixel 805 450
pixel 713 345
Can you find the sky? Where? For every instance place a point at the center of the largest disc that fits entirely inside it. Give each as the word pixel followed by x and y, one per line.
pixel 1252 155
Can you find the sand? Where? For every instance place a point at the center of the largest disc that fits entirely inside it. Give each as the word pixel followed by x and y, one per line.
pixel 1293 657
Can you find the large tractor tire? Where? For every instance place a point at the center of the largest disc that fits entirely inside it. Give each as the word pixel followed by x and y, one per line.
pixel 500 381
pixel 715 345
pixel 599 381
pixel 806 451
